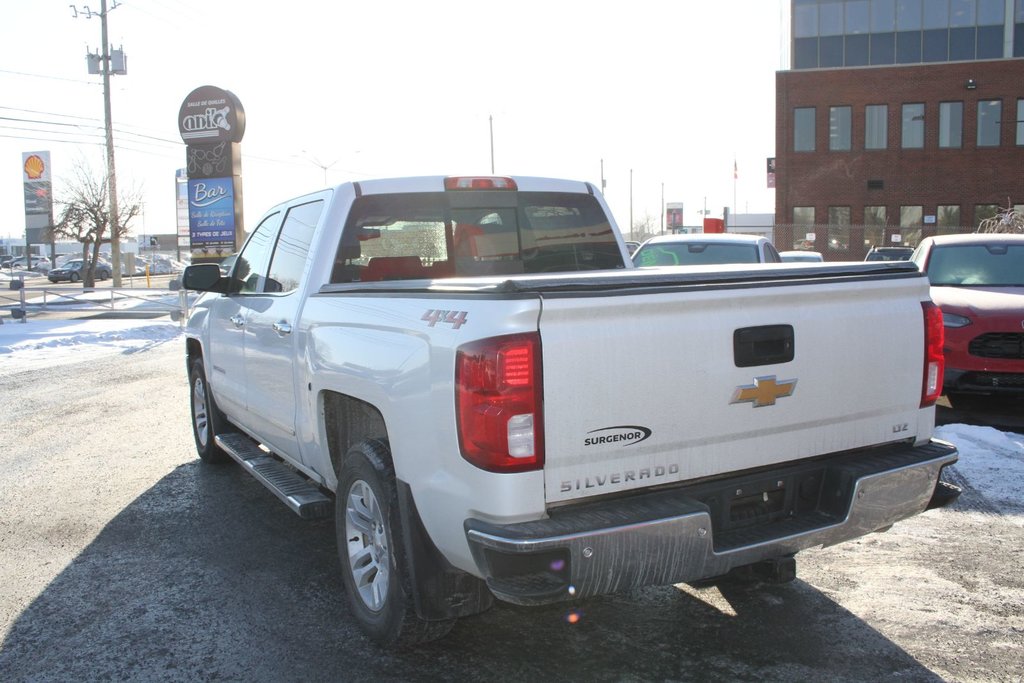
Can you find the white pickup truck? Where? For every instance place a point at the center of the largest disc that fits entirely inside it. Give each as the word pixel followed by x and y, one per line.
pixel 472 377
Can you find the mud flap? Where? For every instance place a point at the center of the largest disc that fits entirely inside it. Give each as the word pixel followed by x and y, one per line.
pixel 440 591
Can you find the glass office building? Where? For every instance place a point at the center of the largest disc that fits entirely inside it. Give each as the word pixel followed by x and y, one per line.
pixel 852 33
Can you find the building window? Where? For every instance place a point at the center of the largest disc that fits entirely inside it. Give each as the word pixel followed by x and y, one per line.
pixel 951 124
pixel 839 129
pixel 876 126
pixel 883 48
pixel 803 129
pixel 805 20
pixel 990 42
pixel 838 215
pixel 961 44
pixel 874 215
pixel 936 45
pixel 962 12
pixel 983 212
pixel 989 115
pixel 948 218
pixel 936 14
pixel 908 47
pixel 838 228
pixel 874 226
pixel 913 126
pixel 858 19
pixel 803 215
pixel 1018 30
pixel 911 218
pixel 908 15
pixel 1020 118
pixel 883 16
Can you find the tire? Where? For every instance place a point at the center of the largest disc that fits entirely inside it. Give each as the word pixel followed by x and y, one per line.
pixel 372 551
pixel 73 277
pixel 207 420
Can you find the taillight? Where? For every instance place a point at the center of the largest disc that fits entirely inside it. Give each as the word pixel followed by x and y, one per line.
pixel 479 183
pixel 498 403
pixel 934 360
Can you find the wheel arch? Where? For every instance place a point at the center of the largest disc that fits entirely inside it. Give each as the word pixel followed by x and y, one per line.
pixel 348 421
pixel 193 350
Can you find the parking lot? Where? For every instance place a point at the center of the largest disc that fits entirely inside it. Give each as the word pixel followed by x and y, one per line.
pixel 124 558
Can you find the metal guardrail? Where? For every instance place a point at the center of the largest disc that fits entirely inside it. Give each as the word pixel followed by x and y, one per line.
pixel 22 300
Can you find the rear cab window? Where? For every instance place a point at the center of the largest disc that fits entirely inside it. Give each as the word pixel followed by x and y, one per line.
pixel 455 234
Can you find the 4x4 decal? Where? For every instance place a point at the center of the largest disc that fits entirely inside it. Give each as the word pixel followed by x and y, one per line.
pixel 454 318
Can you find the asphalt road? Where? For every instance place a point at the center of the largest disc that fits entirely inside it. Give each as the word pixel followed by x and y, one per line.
pixel 122 557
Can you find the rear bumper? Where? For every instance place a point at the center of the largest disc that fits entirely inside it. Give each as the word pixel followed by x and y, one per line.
pixel 704 531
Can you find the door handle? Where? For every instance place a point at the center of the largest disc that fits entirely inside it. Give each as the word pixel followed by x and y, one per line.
pixel 282 328
pixel 237 320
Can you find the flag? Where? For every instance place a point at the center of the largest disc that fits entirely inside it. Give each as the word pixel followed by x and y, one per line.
pixel 735 170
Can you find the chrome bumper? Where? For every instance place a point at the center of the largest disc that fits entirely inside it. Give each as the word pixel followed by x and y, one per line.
pixel 669 536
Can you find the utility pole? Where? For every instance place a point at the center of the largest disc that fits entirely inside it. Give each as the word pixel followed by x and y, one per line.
pixel 106 68
pixel 490 121
pixel 604 185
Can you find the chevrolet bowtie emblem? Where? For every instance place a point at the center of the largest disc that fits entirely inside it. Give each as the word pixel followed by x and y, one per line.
pixel 764 391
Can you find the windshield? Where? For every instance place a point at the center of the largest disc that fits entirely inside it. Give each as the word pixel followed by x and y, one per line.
pixel 694 253
pixel 451 234
pixel 977 265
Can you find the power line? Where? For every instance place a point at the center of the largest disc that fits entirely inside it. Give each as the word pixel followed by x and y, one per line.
pixel 84 118
pixel 52 78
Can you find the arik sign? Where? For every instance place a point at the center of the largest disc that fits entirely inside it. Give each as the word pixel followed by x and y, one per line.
pixel 211 122
pixel 210 114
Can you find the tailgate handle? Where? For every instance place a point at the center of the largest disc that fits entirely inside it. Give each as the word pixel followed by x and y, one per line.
pixel 763 345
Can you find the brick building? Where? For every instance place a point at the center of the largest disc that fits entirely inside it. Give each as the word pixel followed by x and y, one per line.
pixel 881 138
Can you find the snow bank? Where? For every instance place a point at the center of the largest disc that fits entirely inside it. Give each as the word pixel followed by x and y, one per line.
pixel 37 343
pixel 992 465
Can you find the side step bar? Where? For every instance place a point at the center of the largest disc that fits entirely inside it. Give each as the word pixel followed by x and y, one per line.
pixel 295 491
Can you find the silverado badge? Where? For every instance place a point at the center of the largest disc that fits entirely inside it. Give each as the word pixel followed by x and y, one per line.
pixel 764 391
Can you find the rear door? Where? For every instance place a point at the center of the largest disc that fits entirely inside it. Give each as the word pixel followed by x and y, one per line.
pixel 649 389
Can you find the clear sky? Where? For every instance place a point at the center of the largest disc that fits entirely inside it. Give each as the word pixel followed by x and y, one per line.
pixel 678 91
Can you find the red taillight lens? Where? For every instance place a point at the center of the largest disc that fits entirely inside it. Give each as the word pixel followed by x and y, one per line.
pixel 498 403
pixel 479 183
pixel 934 360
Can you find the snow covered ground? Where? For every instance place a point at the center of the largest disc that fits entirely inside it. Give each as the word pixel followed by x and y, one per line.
pixel 991 462
pixel 46 343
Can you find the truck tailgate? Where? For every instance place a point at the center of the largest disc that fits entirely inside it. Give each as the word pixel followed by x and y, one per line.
pixel 645 389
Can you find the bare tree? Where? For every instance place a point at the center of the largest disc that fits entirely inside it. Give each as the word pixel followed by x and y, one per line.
pixel 642 228
pixel 85 214
pixel 1007 220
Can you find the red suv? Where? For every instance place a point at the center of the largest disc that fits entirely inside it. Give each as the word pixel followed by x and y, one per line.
pixel 978 282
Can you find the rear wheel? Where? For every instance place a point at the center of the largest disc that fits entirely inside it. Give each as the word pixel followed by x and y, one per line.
pixel 73 277
pixel 207 420
pixel 372 550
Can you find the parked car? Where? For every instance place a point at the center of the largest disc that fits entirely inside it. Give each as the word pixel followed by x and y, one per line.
pixel 978 282
pixel 801 256
pixel 74 270
pixel 889 254
pixel 5 260
pixel 705 249
pixel 40 264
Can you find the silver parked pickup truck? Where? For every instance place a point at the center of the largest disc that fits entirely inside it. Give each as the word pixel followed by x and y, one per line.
pixel 472 377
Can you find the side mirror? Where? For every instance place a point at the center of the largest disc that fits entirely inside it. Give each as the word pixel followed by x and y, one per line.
pixel 204 277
